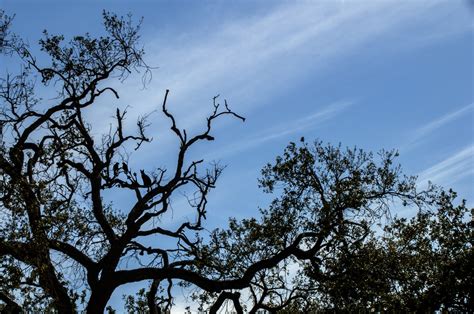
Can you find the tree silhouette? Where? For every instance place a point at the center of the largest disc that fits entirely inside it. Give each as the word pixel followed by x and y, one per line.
pixel 5 22
pixel 420 264
pixel 63 247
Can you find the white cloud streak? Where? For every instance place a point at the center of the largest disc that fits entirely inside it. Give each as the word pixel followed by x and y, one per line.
pixel 440 122
pixel 435 124
pixel 424 131
pixel 254 59
pixel 454 168
pixel 314 120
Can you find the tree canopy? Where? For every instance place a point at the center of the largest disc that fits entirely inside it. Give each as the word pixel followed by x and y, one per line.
pixel 64 248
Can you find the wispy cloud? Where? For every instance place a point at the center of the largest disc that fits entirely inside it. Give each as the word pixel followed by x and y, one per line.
pixel 454 168
pixel 434 125
pixel 311 121
pixel 252 59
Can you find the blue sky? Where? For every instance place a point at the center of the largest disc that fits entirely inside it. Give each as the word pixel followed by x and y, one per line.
pixel 376 74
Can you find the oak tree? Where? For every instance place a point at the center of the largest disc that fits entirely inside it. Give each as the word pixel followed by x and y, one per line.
pixel 424 263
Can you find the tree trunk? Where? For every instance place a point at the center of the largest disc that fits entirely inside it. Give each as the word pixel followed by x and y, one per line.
pixel 98 300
